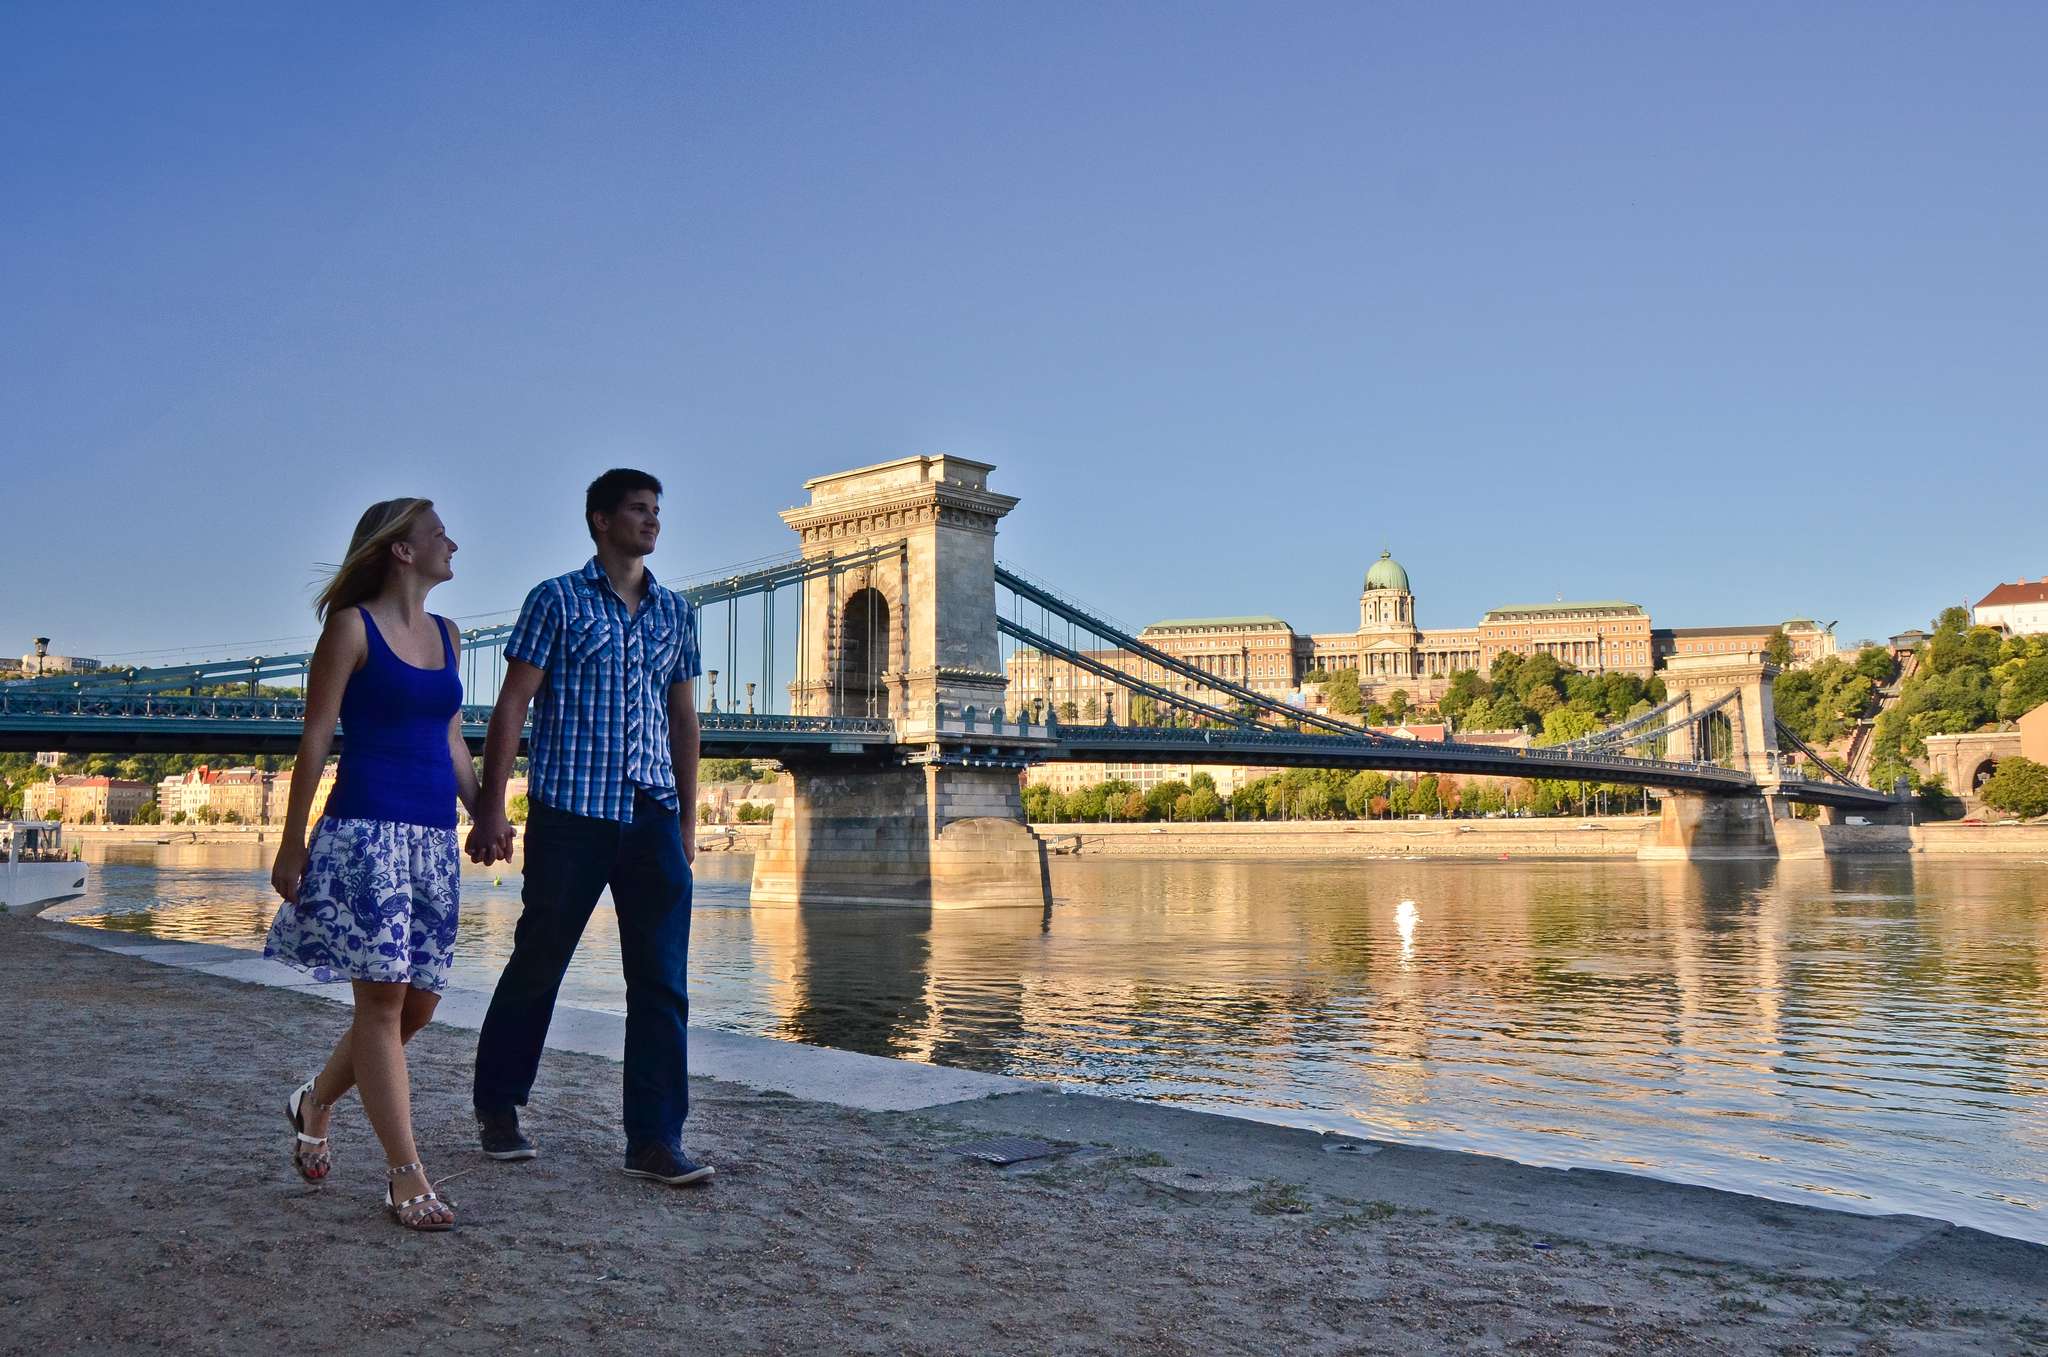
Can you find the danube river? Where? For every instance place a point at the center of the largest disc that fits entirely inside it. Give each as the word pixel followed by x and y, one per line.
pixel 1867 1035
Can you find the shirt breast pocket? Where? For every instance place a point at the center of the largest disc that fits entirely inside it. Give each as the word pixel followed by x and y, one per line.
pixel 589 642
pixel 661 650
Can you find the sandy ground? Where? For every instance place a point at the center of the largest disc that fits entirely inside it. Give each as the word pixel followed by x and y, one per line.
pixel 148 1206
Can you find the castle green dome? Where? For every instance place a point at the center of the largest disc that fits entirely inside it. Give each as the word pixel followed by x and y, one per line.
pixel 1386 573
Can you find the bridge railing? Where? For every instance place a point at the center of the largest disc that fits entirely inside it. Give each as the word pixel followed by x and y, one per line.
pixel 969 720
pixel 1571 764
pixel 148 706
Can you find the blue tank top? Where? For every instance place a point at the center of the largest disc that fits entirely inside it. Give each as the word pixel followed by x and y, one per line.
pixel 395 763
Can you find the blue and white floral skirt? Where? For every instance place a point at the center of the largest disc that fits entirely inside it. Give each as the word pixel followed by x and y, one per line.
pixel 378 901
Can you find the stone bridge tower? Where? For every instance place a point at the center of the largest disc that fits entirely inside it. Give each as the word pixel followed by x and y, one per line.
pixel 1753 720
pixel 908 635
pixel 901 636
pixel 1744 825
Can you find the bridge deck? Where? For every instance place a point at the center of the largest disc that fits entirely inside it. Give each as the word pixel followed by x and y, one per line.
pixel 152 723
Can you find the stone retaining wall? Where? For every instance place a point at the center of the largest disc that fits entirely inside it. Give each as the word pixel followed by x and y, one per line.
pixel 1613 837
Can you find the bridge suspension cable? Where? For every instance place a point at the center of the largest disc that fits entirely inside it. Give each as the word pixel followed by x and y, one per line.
pixel 1785 734
pixel 1644 737
pixel 1615 734
pixel 1042 596
pixel 1082 660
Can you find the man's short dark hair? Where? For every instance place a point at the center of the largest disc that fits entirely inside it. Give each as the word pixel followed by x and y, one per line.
pixel 609 491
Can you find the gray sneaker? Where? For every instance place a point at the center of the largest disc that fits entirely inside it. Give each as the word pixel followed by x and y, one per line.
pixel 501 1136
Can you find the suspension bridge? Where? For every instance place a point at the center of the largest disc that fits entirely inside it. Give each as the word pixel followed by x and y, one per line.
pixel 876 665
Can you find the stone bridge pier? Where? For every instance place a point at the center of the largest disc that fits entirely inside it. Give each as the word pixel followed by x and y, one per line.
pixel 910 637
pixel 1754 822
pixel 1746 824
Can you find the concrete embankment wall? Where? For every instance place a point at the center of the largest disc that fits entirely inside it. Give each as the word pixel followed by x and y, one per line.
pixel 1981 840
pixel 1616 837
pixel 1613 837
pixel 710 838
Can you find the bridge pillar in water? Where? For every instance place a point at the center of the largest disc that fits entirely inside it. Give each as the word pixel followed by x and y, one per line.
pixel 1745 824
pixel 910 636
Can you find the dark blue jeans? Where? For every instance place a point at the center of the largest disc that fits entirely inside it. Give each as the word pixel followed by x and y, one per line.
pixel 570 859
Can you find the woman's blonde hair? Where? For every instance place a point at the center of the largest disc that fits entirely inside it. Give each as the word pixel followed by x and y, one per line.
pixel 361 574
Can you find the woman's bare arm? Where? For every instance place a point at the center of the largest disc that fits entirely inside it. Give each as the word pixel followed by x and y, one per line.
pixel 458 748
pixel 341 651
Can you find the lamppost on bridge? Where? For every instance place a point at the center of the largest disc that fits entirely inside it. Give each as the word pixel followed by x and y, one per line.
pixel 714 689
pixel 750 699
pixel 42 649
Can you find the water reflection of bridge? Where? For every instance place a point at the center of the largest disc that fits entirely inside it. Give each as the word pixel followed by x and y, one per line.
pixel 884 637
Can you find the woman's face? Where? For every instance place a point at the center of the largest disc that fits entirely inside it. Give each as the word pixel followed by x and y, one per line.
pixel 432 550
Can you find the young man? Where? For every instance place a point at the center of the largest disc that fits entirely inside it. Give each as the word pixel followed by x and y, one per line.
pixel 610 655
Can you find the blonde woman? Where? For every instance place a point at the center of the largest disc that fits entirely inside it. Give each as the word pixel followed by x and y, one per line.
pixel 373 898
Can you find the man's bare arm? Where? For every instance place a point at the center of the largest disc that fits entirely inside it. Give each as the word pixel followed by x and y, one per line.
pixel 684 740
pixel 491 839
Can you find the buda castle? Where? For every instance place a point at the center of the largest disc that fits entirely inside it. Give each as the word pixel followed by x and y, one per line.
pixel 1390 651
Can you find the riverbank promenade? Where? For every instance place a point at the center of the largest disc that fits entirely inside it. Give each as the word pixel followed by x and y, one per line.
pixel 150 1206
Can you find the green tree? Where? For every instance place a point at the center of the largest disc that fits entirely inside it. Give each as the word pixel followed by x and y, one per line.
pixel 724 770
pixel 1464 690
pixel 1159 802
pixel 1566 724
pixel 1341 691
pixel 1426 799
pixel 1041 804
pixel 1504 712
pixel 1778 648
pixel 1360 789
pixel 1399 704
pixel 2022 676
pixel 1539 673
pixel 1876 664
pixel 2020 786
pixel 517 809
pixel 1619 695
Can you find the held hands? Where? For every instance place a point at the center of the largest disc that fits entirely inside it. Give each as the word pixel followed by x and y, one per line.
pixel 289 867
pixel 490 839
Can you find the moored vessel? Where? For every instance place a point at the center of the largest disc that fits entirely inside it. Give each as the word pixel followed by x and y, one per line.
pixel 35 867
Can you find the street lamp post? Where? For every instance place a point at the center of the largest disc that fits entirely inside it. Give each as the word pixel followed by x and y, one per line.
pixel 42 649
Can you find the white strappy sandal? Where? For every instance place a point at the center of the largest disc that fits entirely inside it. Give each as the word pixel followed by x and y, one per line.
pixel 294 1108
pixel 420 1217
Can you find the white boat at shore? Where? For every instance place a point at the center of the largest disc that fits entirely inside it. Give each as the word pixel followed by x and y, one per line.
pixel 35 867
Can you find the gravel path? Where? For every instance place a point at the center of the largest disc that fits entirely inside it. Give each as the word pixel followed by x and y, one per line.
pixel 149 1206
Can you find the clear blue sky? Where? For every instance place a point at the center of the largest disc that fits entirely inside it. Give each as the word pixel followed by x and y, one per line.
pixel 1735 311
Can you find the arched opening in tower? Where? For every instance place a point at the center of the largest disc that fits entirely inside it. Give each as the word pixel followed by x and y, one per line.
pixel 863 654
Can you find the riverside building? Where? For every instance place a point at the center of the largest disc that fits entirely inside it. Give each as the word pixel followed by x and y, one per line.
pixel 1390 650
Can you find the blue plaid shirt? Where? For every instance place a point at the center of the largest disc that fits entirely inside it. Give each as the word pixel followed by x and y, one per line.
pixel 600 720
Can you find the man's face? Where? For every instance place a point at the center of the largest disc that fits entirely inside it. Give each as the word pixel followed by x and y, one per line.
pixel 632 527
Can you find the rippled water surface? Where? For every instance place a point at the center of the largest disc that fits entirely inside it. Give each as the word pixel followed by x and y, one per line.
pixel 1869 1035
